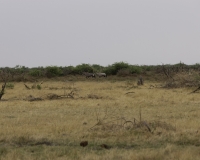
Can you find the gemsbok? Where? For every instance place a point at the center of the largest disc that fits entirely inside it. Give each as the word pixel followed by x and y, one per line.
pixel 101 75
pixel 88 75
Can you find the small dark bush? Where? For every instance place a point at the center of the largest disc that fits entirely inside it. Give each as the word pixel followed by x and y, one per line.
pixel 10 85
pixel 39 87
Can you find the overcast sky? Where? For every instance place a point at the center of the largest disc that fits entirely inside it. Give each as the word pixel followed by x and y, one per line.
pixel 70 32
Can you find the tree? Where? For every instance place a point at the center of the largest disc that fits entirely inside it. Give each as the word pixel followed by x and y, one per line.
pixel 4 75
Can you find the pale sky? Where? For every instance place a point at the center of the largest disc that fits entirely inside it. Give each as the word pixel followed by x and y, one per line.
pixel 71 32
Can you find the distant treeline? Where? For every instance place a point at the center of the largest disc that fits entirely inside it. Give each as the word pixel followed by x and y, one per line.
pixel 118 68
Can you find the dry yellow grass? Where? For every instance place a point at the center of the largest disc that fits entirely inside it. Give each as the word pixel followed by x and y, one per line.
pixel 53 129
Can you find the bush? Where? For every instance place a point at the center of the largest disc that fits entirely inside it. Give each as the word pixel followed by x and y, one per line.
pixel 135 69
pixel 20 69
pixel 123 72
pixel 114 68
pixel 53 71
pixel 10 85
pixel 68 70
pixel 120 65
pixel 97 68
pixel 35 73
pixel 83 68
pixel 109 70
pixel 39 87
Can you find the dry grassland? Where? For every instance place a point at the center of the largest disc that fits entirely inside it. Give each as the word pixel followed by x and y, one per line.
pixel 115 114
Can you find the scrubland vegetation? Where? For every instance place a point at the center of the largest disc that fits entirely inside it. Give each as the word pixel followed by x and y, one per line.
pixel 118 118
pixel 20 73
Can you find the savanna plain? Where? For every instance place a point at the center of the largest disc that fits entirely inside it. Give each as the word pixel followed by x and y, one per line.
pixel 116 119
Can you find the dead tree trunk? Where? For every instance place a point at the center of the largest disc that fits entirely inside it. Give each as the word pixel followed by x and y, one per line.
pixel 140 81
pixel 4 75
pixel 2 90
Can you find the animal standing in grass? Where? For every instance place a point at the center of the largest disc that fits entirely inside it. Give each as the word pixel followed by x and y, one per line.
pixel 101 75
pixel 88 75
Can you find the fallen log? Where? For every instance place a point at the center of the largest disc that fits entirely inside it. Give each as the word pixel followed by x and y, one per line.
pixel 195 90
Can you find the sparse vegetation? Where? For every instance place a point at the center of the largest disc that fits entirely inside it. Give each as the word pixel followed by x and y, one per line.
pixel 22 73
pixel 99 120
pixel 118 117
